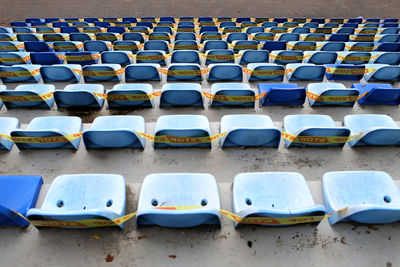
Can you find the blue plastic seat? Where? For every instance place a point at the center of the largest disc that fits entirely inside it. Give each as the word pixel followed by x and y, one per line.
pixel 151 57
pixel 312 25
pixel 229 29
pixel 208 29
pixel 59 46
pixel 225 72
pixel 344 71
pixel 377 94
pixel 205 36
pixel 181 94
pixel 391 58
pixel 254 29
pixel 355 58
pixel 111 19
pixel 122 58
pixel 189 27
pixel 20 73
pixel 269 24
pixel 132 46
pixel 90 19
pixel 97 46
pixel 100 196
pixel 163 29
pixel 244 45
pixel 102 72
pixel 302 45
pixel 108 36
pixel 7 125
pixel 6 46
pixel 219 56
pixel 249 130
pixel 59 24
pixel 371 197
pixel 320 57
pixel 21 30
pixel 388 47
pixel 139 29
pixel 231 89
pixel 50 127
pixel 184 72
pixel 265 72
pixel 287 37
pixel 14 58
pixel 185 36
pixel 116 29
pixel 198 190
pixel 301 30
pixel 305 72
pixel 312 37
pixel 82 58
pixel 37 47
pixel 390 31
pixel 69 29
pixel 253 56
pixel 52 37
pixel 286 57
pixel 292 24
pixel 80 96
pixel 43 93
pixel 382 72
pixel 61 73
pixel 282 94
pixel 182 126
pixel 237 36
pixel 162 36
pixel 313 128
pixel 90 30
pixel 273 194
pixel 30 37
pixel 80 24
pixel 115 132
pixel 332 46
pixel 372 129
pixel 361 46
pixel 157 45
pixel 278 30
pixel 81 37
pixel 186 45
pixel 215 44
pixel 129 19
pixel 119 97
pixel 320 90
pixel 18 24
pixel 30 20
pixel 18 193
pixel 8 37
pixel 142 72
pixel 262 37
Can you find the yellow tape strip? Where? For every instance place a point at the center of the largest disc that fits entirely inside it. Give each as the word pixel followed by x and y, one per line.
pixel 315 139
pixel 82 58
pixel 15 60
pixel 283 57
pixel 100 73
pixel 264 72
pixel 354 58
pixel 129 97
pixel 325 98
pixel 169 139
pixel 47 139
pixel 344 71
pixel 233 98
pixel 23 73
pixel 5 136
pixel 25 98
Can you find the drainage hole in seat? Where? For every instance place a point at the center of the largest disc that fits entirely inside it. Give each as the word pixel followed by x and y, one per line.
pixel 154 202
pixel 109 203
pixel 273 205
pixel 387 199
pixel 248 201
pixel 204 202
pixel 60 203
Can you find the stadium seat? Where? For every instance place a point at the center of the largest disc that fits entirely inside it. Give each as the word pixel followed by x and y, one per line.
pixel 320 57
pixel 269 24
pixel 197 191
pixel 8 37
pixel 227 24
pixel 181 94
pixel 21 30
pixel 59 24
pixel 42 92
pixel 80 96
pixel 305 72
pixel 100 196
pixel 163 29
pixel 6 46
pixel 186 45
pixel 69 29
pixel 361 46
pixel 115 132
pixel 14 58
pixel 151 57
pixel 317 92
pixel 278 30
pixel 273 195
pixel 313 130
pixel 185 56
pixel 225 72
pixel 20 73
pixel 163 36
pixel 62 131
pixel 372 129
pixel 102 72
pixel 377 94
pixel 282 94
pixel 219 56
pixel 254 29
pixel 370 197
pixel 331 46
pixel 265 72
pixel 97 46
pixel 302 45
pixel 116 29
pixel 29 37
pixel 262 37
pixel 285 57
pixel 253 56
pixel 118 97
pixel 108 36
pixel 52 37
pixel 91 30
pixel 19 194
pixel 355 58
pixel 47 58
pixel 7 125
pixel 215 44
pixel 184 72
pixel 61 73
pixel 122 58
pixel 237 36
pixel 229 29
pixel 81 37
pixel 382 72
pixel 344 71
pixel 157 45
pixel 391 58
pixel 132 46
pixel 287 37
pixel 67 46
pixel 301 30
pixel 185 36
pixel 244 45
pixel 139 29
pixel 231 89
pixel 205 36
pixel 37 47
pixel 249 130
pixel 82 58
pixel 175 126
pixel 142 72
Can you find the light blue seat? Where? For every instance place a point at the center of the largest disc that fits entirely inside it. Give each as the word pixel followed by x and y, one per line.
pixel 6 46
pixel 254 29
pixel 139 29
pixel 181 94
pixel 82 58
pixel 229 29
pixel 215 44
pixel 231 89
pixel 391 58
pixel 287 37
pixel 17 193
pixel 14 58
pixel 122 58
pixel 185 36
pixel 244 45
pixel 381 72
pixel 285 57
pixel 185 45
pixel 20 73
pixel 331 46
pixel 237 36
pixel 156 45
pixel 225 72
pixel 100 196
pixel 7 125
pixel 53 37
pixel 97 46
pixel 355 58
pixel 282 94
pixel 253 56
pixel 305 72
pixel 262 37
pixel 8 37
pixel 389 38
pixel 163 36
pixel 182 126
pixel 220 56
pixel 184 72
pixel 15 98
pixel 227 24
pixel 371 197
pixel 274 195
pixel 185 56
pixel 361 46
pixel 178 189
pixel 115 132
pixel 265 72
pixel 132 46
pixel 61 73
pixel 377 94
pixel 313 128
pixel 320 57
pixel 151 57
pixel 134 36
pixel 390 31
pixel 249 130
pixel 166 29
pixel 372 129
pixel 102 72
pixel 118 97
pixel 301 30
pixel 320 90
pixel 50 128
pixel 80 96
pixel 205 36
pixel 142 72
pixel 279 30
pixel 344 71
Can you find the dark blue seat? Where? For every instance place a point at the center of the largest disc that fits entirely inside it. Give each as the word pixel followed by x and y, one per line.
pixel 272 45
pixel 46 58
pixel 282 94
